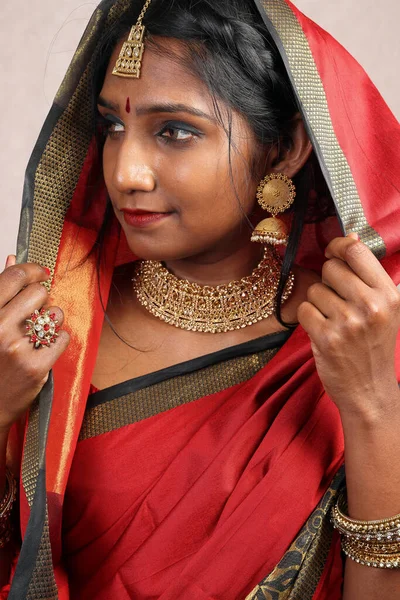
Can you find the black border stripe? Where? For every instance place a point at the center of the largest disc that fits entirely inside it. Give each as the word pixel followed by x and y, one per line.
pixel 266 342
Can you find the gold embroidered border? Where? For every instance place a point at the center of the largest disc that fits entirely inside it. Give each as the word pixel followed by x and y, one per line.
pixel 43 583
pixel 297 575
pixel 56 177
pixel 313 98
pixel 63 157
pixel 171 393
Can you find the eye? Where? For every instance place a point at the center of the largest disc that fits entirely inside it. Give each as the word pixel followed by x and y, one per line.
pixel 179 133
pixel 110 126
pixel 113 129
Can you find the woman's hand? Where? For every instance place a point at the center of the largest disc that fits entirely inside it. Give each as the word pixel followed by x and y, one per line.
pixel 352 318
pixel 23 369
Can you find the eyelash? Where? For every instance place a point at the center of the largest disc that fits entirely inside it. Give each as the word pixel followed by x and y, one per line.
pixel 105 124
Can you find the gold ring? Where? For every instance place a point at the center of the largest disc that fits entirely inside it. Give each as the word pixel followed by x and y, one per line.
pixel 42 328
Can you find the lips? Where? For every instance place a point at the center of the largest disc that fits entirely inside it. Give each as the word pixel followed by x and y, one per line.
pixel 143 218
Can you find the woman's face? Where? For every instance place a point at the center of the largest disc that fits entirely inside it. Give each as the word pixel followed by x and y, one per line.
pixel 166 154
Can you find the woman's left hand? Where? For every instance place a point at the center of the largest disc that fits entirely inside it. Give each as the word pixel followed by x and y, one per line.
pixel 352 317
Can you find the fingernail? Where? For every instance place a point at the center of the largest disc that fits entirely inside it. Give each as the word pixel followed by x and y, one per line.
pixel 9 260
pixel 353 235
pixel 47 271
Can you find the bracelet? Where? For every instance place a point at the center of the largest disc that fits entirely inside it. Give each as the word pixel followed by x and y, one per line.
pixel 371 543
pixel 380 561
pixel 348 526
pixel 6 506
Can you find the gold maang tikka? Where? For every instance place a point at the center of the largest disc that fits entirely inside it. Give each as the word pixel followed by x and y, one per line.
pixel 130 58
pixel 275 194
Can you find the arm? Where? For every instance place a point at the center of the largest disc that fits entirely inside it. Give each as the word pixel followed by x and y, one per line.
pixel 373 492
pixel 352 318
pixel 5 553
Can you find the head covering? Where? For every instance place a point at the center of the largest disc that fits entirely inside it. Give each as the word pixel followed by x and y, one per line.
pixel 357 144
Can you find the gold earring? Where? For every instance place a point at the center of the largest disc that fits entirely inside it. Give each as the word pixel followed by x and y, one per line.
pixel 276 193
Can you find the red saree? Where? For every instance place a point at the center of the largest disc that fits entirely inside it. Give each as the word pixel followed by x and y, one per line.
pixel 211 506
pixel 234 502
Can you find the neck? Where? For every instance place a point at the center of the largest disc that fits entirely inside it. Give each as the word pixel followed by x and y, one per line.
pixel 218 267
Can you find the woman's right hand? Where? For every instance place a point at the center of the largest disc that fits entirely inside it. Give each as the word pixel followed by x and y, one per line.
pixel 23 369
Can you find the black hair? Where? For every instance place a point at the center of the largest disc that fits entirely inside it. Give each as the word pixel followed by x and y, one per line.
pixel 229 48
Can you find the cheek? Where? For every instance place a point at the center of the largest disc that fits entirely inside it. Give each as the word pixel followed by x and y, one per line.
pixel 199 179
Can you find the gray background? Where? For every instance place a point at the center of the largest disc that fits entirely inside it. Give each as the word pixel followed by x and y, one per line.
pixel 38 38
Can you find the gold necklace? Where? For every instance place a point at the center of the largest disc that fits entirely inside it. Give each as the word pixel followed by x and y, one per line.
pixel 223 308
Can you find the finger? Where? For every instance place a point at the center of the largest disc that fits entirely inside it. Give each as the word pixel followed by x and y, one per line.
pixel 341 278
pixel 32 298
pixel 326 301
pixel 311 319
pixel 360 259
pixel 44 358
pixel 17 277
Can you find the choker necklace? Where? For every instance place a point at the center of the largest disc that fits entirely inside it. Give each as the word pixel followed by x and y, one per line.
pixel 223 308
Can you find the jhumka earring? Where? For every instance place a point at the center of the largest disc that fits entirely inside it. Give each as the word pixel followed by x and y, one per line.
pixel 276 193
pixel 130 58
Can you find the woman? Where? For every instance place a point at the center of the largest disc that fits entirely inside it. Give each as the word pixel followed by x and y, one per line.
pixel 208 456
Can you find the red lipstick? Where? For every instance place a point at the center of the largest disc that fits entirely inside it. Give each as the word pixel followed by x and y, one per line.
pixel 142 218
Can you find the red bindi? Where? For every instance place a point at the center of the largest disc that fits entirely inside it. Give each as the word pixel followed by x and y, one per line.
pixel 128 106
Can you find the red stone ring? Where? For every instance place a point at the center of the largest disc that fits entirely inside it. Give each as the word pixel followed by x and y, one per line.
pixel 42 328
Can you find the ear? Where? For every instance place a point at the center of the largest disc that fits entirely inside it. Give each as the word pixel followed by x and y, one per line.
pixel 289 161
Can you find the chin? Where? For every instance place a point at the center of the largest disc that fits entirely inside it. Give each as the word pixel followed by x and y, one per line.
pixel 154 251
pixel 168 248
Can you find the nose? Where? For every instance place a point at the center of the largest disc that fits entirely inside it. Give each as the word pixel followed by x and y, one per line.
pixel 132 171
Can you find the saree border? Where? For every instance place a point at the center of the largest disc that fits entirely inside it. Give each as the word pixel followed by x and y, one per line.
pixel 51 178
pixel 296 53
pixel 297 575
pixel 57 160
pixel 34 577
pixel 171 393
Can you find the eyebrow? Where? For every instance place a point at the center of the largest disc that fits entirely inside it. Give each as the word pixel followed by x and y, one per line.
pixel 106 104
pixel 162 107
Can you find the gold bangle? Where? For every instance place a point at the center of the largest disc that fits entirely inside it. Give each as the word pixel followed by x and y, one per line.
pixel 380 561
pixel 370 543
pixel 376 530
pixel 361 546
pixel 6 506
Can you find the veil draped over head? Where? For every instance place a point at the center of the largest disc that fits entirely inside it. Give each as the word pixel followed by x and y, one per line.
pixel 356 140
